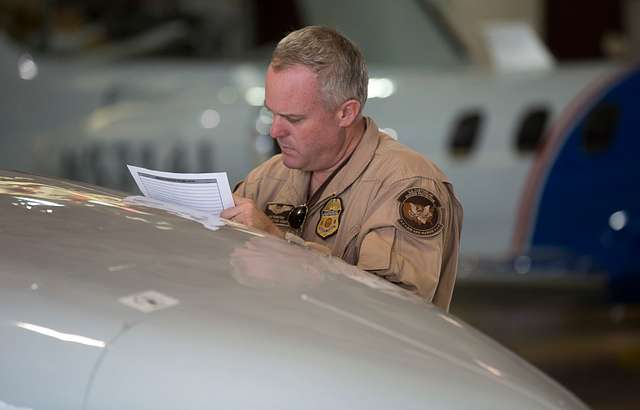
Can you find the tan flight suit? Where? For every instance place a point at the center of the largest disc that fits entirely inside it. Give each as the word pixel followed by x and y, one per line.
pixel 389 211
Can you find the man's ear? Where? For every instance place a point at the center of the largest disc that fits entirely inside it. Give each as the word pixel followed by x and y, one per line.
pixel 348 113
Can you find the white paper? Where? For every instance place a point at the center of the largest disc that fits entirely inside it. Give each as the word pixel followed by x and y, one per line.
pixel 209 193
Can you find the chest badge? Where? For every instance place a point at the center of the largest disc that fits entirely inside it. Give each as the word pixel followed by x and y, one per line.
pixel 278 213
pixel 329 218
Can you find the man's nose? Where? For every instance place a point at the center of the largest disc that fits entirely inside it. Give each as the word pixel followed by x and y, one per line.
pixel 278 129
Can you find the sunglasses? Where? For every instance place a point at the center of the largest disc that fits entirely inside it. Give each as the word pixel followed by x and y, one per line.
pixel 297 216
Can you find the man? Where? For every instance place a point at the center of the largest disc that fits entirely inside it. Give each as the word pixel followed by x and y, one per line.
pixel 340 183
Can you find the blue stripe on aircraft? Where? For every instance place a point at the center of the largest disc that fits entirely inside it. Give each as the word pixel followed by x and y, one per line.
pixel 584 189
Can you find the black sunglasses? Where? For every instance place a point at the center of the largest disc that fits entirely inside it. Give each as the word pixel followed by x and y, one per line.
pixel 297 216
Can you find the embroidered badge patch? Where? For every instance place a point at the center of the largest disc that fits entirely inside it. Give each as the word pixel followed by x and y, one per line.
pixel 329 218
pixel 420 212
pixel 278 213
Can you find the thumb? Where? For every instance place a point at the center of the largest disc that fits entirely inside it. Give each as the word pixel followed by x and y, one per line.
pixel 230 213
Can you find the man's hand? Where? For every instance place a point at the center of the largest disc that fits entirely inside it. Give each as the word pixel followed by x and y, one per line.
pixel 247 213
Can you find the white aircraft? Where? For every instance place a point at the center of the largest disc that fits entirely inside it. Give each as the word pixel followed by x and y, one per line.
pixel 85 120
pixel 106 304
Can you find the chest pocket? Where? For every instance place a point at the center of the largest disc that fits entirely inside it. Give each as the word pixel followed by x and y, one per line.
pixel 375 250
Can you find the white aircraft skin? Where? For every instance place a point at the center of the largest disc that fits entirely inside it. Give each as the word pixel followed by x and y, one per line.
pixel 107 304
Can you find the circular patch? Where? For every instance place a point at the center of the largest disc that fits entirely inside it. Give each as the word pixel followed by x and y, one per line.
pixel 420 212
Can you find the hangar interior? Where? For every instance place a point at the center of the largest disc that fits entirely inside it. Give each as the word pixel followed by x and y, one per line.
pixel 563 317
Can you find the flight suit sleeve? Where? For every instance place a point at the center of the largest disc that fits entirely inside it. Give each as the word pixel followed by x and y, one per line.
pixel 404 238
pixel 240 189
pixel 247 188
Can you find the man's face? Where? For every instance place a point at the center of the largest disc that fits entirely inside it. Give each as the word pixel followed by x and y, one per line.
pixel 309 136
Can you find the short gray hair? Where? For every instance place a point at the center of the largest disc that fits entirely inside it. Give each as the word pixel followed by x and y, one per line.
pixel 339 63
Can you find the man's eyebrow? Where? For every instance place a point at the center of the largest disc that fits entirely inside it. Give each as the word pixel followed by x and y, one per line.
pixel 286 115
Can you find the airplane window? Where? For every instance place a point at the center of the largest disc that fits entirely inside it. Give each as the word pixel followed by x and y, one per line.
pixel 465 133
pixel 600 128
pixel 531 132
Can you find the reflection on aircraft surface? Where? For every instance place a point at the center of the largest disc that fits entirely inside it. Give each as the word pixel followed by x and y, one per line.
pixel 29 193
pixel 85 119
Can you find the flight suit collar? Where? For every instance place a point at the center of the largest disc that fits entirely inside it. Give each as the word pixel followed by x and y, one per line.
pixel 358 162
pixel 295 189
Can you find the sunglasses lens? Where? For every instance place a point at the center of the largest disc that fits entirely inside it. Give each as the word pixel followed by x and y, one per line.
pixel 297 216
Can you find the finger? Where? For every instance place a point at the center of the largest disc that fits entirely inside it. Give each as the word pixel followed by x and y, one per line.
pixel 231 213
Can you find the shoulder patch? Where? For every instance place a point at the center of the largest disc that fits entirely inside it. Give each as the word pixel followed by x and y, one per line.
pixel 420 212
pixel 278 213
pixel 329 218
